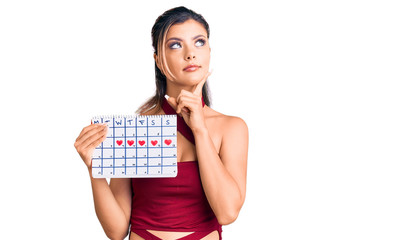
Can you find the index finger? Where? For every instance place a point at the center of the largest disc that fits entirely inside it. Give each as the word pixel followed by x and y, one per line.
pixel 200 84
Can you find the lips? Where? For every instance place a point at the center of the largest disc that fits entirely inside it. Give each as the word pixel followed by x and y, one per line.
pixel 191 68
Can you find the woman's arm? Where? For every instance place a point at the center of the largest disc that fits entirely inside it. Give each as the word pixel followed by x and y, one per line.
pixel 112 202
pixel 112 205
pixel 223 175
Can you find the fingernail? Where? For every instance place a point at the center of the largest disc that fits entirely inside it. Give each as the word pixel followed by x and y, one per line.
pixel 167 97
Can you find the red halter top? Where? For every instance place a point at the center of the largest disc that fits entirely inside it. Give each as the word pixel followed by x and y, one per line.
pixel 173 204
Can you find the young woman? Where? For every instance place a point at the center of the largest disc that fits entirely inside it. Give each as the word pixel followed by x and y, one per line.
pixel 210 187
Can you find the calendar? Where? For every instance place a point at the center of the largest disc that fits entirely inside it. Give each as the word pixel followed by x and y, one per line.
pixel 136 147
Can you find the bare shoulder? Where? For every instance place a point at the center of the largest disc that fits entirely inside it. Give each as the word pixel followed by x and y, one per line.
pixel 227 125
pixel 232 142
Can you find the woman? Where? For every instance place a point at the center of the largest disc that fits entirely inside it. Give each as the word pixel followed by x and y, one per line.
pixel 210 187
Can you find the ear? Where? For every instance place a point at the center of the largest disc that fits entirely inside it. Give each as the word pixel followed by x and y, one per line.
pixel 156 58
pixel 156 61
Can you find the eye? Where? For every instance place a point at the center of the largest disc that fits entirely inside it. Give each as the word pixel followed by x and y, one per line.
pixel 200 43
pixel 175 45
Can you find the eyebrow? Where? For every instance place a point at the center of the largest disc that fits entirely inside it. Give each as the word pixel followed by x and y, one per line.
pixel 179 39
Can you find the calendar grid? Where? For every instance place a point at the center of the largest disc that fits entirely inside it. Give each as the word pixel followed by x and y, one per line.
pixel 102 157
pixel 147 146
pixel 151 150
pixel 136 134
pixel 125 143
pixel 113 134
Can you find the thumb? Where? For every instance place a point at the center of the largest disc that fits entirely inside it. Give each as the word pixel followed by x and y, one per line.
pixel 171 101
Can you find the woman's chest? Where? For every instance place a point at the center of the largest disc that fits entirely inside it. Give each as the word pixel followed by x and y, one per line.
pixel 186 151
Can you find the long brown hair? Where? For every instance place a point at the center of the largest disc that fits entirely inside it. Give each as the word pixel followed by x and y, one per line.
pixel 159 32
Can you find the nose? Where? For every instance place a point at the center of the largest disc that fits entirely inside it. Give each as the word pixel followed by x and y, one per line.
pixel 190 55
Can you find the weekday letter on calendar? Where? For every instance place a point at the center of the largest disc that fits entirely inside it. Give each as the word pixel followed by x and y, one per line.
pixel 136 146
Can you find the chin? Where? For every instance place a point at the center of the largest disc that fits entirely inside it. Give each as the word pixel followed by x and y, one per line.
pixel 192 78
pixel 190 81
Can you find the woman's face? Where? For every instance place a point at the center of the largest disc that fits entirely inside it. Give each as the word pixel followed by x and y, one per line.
pixel 187 52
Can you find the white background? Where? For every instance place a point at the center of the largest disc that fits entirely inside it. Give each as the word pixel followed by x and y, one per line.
pixel 322 86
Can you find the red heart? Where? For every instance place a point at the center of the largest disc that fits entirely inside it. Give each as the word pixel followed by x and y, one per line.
pixel 119 142
pixel 142 142
pixel 168 142
pixel 130 142
pixel 154 142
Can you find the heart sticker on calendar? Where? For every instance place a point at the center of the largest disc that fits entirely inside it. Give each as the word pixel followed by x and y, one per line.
pixel 142 142
pixel 119 142
pixel 168 141
pixel 130 142
pixel 154 142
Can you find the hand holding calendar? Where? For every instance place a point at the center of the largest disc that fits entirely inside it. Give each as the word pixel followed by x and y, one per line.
pixel 89 138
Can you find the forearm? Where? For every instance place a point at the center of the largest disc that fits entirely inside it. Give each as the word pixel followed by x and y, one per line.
pixel 109 213
pixel 222 191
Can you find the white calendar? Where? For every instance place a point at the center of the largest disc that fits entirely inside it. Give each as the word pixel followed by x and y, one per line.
pixel 136 146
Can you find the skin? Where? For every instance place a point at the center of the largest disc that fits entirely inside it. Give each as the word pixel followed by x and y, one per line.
pixel 221 142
